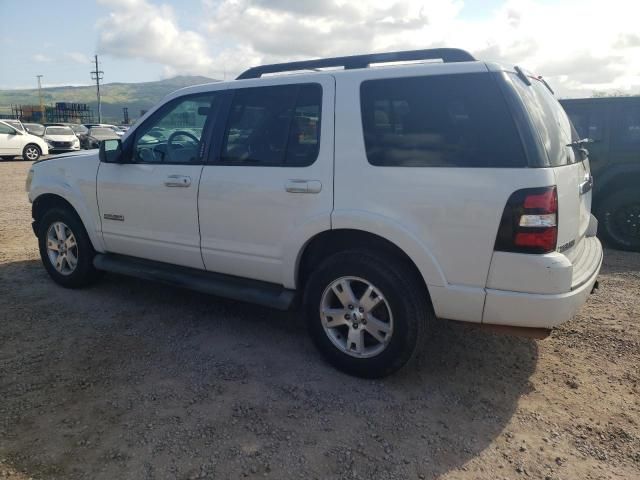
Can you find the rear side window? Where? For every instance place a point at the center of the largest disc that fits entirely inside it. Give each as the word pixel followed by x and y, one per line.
pixel 273 126
pixel 457 120
pixel 550 121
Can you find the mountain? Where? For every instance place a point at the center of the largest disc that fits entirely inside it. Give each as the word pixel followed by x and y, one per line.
pixel 115 96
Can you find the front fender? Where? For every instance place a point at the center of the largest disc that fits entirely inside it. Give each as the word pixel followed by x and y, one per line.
pixel 74 180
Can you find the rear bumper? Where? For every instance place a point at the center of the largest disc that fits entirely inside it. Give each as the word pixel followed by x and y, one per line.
pixel 536 310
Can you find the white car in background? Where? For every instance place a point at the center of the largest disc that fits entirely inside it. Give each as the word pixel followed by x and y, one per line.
pixel 61 139
pixel 14 143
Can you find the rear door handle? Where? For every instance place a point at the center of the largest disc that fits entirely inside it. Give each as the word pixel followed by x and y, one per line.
pixel 303 186
pixel 587 185
pixel 177 181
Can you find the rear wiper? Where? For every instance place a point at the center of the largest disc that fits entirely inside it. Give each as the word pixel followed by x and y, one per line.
pixel 582 142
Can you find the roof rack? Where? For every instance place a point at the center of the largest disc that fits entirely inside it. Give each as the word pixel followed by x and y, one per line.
pixel 447 55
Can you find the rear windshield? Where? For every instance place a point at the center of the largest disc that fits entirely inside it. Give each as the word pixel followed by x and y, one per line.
pixel 459 120
pixel 550 121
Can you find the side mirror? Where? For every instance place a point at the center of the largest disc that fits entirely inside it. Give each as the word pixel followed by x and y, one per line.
pixel 111 151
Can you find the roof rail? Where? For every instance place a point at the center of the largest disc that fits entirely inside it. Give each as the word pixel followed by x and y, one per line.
pixel 447 55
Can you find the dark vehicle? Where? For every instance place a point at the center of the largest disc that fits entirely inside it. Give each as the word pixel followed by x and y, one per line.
pixel 96 135
pixel 613 123
pixel 34 129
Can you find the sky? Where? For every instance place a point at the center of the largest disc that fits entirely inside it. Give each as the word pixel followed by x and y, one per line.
pixel 579 46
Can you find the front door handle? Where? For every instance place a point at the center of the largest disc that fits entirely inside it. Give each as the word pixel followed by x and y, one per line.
pixel 177 181
pixel 303 186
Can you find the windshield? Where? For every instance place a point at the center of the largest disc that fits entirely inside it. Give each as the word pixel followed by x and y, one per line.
pixel 550 120
pixel 101 131
pixel 58 131
pixel 79 129
pixel 15 124
pixel 34 128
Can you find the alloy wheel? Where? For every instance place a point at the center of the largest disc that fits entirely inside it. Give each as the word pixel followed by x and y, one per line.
pixel 62 248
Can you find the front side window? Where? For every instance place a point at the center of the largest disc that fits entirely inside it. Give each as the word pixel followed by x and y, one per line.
pixel 5 129
pixel 175 133
pixel 273 126
pixel 438 121
pixel 627 135
pixel 589 123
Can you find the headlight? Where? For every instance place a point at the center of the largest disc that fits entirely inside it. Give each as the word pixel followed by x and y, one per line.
pixel 29 180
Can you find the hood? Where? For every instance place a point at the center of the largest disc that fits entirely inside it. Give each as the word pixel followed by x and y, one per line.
pixel 80 153
pixel 105 136
pixel 60 138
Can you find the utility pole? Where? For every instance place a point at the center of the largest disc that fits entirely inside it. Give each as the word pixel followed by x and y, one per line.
pixel 98 75
pixel 42 119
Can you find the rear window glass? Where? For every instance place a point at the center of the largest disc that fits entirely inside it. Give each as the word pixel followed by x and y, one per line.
pixel 274 126
pixel 439 121
pixel 550 121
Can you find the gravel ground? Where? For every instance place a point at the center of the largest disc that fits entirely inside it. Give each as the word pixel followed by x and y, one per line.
pixel 131 379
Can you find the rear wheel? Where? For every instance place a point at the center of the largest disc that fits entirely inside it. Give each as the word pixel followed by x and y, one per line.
pixel 31 152
pixel 65 249
pixel 619 217
pixel 367 313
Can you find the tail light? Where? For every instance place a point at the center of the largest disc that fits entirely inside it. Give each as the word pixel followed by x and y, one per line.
pixel 529 222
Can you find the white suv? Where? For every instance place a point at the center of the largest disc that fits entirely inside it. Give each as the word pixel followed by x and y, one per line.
pixel 376 197
pixel 16 141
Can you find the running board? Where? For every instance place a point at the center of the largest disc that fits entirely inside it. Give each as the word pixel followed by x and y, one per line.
pixel 236 288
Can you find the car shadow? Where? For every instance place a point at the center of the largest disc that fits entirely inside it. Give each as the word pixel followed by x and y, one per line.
pixel 133 379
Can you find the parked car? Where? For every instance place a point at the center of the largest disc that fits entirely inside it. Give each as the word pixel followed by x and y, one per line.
pixel 116 129
pixel 61 139
pixel 96 135
pixel 14 143
pixel 613 125
pixel 378 199
pixel 34 129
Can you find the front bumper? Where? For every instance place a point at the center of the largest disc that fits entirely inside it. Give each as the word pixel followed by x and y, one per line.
pixel 539 310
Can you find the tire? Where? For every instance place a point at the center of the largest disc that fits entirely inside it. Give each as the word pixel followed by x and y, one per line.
pixel 31 152
pixel 619 217
pixel 69 276
pixel 403 310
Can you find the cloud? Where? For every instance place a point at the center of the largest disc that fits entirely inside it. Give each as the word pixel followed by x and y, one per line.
pixel 579 45
pixel 77 57
pixel 39 57
pixel 139 29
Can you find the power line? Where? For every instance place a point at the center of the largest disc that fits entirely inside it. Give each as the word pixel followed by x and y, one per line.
pixel 98 75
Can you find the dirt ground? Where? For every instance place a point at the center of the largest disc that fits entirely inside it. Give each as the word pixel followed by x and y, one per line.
pixel 134 380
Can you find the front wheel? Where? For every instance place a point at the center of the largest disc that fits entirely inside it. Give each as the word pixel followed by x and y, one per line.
pixel 619 217
pixel 31 152
pixel 65 249
pixel 367 313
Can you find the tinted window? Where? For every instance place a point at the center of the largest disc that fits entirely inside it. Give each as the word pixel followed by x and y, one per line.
pixel 550 121
pixel 588 123
pixel 174 133
pixel 627 135
pixel 273 126
pixel 439 121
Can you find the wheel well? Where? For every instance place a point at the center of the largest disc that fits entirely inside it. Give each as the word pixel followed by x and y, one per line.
pixel 333 241
pixel 34 144
pixel 46 202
